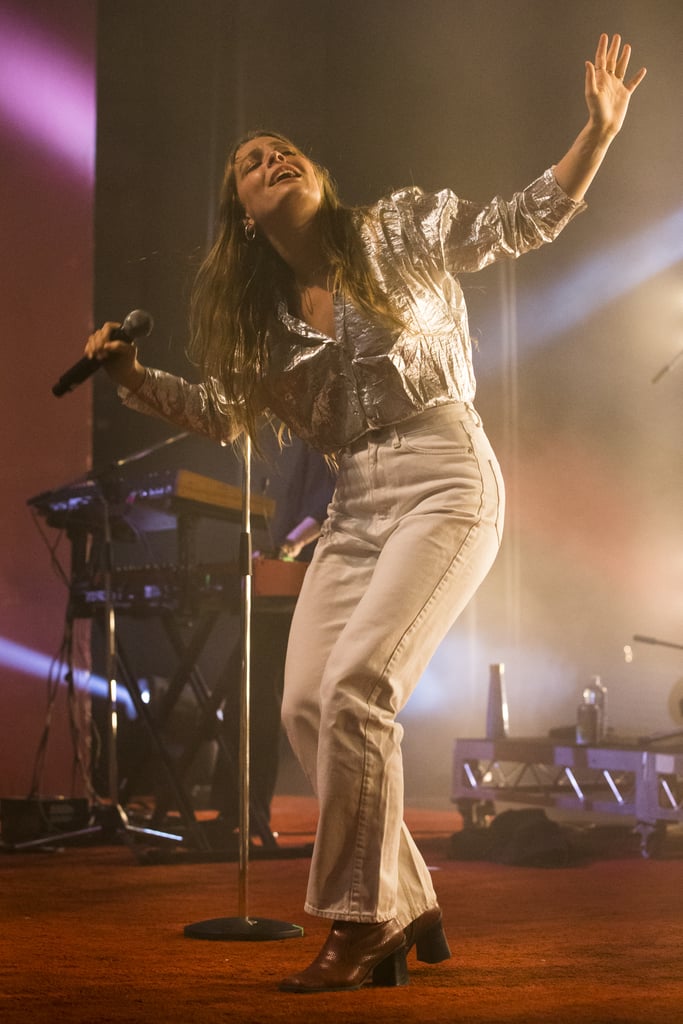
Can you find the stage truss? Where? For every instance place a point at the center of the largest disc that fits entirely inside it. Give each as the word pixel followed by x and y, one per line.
pixel 636 781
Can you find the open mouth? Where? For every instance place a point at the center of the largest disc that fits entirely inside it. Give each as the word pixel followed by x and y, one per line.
pixel 283 175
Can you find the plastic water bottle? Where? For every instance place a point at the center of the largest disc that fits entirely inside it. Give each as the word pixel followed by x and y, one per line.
pixel 587 719
pixel 591 714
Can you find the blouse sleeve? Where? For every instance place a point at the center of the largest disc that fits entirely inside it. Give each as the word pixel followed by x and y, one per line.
pixel 464 236
pixel 200 408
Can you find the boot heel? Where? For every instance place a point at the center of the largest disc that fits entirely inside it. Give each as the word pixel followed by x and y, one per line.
pixel 432 946
pixel 393 971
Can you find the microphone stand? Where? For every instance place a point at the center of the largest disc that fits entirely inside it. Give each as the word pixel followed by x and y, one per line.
pixel 669 366
pixel 143 453
pixel 659 643
pixel 244 927
pixel 639 638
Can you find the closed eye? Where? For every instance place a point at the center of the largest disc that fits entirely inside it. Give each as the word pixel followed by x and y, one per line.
pixel 253 160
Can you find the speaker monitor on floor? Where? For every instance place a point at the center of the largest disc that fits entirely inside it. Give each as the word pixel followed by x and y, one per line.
pixel 23 820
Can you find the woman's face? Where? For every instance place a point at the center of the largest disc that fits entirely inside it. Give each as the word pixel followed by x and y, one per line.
pixel 275 180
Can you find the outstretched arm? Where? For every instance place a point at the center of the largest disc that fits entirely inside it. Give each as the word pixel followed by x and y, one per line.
pixel 607 98
pixel 202 408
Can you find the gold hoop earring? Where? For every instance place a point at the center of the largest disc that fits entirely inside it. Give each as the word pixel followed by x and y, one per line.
pixel 249 231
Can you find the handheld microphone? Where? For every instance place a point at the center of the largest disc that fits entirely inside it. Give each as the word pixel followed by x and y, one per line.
pixel 138 324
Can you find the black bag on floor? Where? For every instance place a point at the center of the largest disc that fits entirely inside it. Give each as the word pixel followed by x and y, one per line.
pixel 526 838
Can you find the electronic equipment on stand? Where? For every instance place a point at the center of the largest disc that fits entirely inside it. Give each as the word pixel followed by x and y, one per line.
pixel 85 509
pixel 95 511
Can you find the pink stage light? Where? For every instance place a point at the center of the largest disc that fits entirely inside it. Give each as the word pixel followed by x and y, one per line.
pixel 47 93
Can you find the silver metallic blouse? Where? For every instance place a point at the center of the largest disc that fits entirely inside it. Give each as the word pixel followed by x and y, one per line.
pixel 331 391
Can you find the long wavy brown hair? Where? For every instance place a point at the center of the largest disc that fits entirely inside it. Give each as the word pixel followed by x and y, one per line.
pixel 240 283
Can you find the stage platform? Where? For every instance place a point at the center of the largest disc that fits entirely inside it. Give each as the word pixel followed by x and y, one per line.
pixel 633 778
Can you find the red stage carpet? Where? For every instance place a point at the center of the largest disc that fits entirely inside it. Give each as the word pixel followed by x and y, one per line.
pixel 91 935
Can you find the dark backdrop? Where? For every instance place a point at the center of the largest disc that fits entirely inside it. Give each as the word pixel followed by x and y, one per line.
pixel 481 97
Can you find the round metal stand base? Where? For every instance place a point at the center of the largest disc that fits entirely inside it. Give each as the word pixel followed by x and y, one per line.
pixel 242 929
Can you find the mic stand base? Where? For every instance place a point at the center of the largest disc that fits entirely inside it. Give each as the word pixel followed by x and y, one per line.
pixel 242 929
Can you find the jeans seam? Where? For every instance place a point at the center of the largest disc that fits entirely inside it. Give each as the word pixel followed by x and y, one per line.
pixel 361 830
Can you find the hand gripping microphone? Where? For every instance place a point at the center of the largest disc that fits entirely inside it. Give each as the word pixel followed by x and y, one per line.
pixel 137 324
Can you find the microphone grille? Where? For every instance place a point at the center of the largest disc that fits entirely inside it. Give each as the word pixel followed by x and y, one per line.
pixel 138 324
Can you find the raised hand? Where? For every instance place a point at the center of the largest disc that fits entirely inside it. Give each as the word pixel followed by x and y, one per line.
pixel 607 92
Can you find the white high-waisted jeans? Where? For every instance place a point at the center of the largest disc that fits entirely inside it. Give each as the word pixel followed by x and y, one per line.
pixel 414 526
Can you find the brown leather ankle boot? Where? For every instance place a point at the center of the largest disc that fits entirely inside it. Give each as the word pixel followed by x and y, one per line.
pixel 353 955
pixel 427 935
